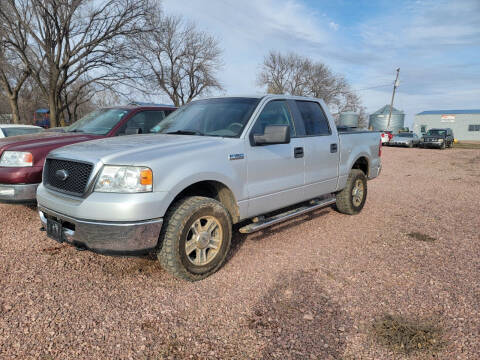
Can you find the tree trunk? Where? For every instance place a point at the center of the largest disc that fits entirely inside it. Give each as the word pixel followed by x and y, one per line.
pixel 52 105
pixel 13 101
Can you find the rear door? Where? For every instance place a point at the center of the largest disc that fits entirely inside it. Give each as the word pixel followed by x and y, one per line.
pixel 275 172
pixel 321 149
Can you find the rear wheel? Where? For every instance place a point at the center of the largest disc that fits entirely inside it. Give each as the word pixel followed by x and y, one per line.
pixel 195 238
pixel 352 198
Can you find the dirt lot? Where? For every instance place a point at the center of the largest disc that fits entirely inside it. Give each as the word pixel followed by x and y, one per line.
pixel 404 271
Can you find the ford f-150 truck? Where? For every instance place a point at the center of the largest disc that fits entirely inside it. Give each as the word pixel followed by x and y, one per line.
pixel 22 157
pixel 212 163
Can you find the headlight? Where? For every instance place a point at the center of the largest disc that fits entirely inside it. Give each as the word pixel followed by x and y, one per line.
pixel 125 179
pixel 440 140
pixel 16 159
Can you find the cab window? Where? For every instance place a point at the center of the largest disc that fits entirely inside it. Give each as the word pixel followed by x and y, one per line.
pixel 144 121
pixel 276 112
pixel 314 119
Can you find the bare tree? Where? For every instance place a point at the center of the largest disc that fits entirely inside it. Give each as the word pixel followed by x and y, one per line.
pixel 13 73
pixel 179 59
pixel 71 41
pixel 297 75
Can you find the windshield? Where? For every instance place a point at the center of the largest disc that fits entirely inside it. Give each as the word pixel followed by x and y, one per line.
pixel 436 132
pixel 225 117
pixel 405 135
pixel 13 131
pixel 98 122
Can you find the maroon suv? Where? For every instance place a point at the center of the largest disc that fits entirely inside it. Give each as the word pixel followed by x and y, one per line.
pixel 22 157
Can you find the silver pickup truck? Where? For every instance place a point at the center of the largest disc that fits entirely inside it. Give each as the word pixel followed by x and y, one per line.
pixel 253 161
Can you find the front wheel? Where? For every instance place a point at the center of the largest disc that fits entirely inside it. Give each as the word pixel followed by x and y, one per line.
pixel 352 198
pixel 195 238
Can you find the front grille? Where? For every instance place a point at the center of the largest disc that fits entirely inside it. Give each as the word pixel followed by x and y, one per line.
pixel 75 183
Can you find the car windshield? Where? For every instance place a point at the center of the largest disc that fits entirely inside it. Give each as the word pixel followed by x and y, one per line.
pixel 436 132
pixel 99 122
pixel 224 117
pixel 406 135
pixel 15 131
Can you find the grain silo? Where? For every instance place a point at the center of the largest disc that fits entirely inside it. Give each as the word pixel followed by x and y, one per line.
pixel 349 119
pixel 379 119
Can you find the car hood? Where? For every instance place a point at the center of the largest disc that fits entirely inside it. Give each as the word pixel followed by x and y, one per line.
pixel 134 149
pixel 44 139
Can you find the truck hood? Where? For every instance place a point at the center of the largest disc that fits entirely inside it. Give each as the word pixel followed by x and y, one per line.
pixel 425 137
pixel 41 140
pixel 133 149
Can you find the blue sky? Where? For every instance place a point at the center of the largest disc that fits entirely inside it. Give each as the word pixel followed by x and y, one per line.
pixel 436 43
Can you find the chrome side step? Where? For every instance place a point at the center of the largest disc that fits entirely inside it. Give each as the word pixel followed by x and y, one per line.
pixel 262 223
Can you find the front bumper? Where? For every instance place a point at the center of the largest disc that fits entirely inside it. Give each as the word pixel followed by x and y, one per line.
pixel 18 193
pixel 110 238
pixel 432 144
pixel 393 143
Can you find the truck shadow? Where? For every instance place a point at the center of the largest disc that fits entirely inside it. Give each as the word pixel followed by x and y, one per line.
pixel 238 239
pixel 296 319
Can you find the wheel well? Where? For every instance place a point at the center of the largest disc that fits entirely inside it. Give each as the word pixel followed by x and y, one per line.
pixel 361 164
pixel 214 190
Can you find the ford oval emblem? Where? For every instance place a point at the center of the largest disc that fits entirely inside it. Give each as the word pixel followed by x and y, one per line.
pixel 61 175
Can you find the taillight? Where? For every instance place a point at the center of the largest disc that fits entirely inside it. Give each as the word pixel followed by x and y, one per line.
pixel 380 148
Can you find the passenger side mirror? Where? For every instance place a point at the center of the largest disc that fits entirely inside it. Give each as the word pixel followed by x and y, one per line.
pixel 133 131
pixel 273 134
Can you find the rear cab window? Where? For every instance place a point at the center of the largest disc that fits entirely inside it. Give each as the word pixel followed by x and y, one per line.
pixel 313 118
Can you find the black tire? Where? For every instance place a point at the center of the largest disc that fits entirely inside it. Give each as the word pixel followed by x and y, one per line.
pixel 443 146
pixel 177 227
pixel 410 145
pixel 345 199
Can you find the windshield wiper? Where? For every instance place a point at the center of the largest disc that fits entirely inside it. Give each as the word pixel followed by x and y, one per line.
pixel 186 132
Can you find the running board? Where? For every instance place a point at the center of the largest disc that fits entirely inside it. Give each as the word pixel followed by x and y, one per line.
pixel 264 223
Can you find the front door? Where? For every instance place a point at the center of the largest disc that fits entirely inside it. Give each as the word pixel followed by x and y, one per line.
pixel 275 172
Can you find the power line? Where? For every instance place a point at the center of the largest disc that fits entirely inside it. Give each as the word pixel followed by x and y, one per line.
pixel 373 87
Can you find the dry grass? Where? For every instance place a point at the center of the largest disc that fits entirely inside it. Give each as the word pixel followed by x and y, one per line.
pixel 421 237
pixel 407 336
pixel 469 145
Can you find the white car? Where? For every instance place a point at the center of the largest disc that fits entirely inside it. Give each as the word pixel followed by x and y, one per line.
pixel 386 136
pixel 7 130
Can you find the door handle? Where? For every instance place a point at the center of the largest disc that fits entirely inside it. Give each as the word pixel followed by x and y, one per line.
pixel 298 152
pixel 333 148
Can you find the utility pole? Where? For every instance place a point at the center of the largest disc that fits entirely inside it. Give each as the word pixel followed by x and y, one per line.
pixel 395 85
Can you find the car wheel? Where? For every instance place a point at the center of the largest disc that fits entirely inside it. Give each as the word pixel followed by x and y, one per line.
pixel 410 145
pixel 195 238
pixel 442 146
pixel 352 198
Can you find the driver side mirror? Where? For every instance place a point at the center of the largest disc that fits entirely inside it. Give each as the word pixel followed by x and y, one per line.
pixel 273 134
pixel 133 131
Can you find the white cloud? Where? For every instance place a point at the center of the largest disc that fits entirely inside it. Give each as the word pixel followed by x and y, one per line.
pixel 436 43
pixel 247 30
pixel 333 25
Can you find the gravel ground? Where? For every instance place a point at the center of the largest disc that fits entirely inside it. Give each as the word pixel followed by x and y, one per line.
pixel 307 289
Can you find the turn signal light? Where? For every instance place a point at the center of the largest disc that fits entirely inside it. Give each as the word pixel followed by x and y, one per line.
pixel 146 177
pixel 28 158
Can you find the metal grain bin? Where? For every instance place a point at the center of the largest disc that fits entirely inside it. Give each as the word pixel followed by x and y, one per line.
pixel 349 119
pixel 379 119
